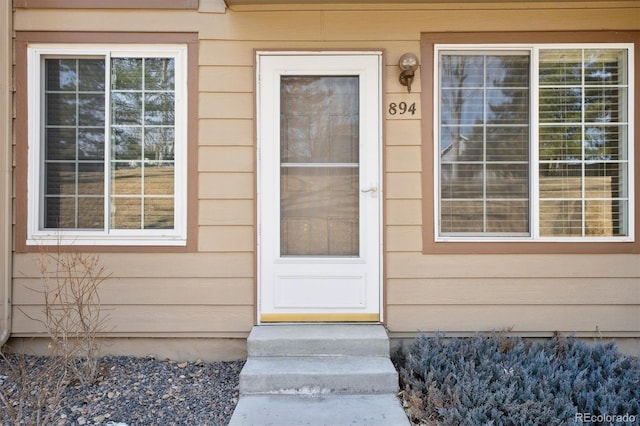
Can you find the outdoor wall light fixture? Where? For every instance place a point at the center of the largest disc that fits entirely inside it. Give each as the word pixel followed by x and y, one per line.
pixel 408 63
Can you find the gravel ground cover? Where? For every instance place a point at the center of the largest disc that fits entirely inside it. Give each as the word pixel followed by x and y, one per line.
pixel 129 391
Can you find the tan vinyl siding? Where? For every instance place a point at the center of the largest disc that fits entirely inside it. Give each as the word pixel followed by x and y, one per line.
pixel 210 292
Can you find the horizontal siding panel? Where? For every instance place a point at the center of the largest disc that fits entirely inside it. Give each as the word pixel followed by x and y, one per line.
pixel 402 132
pixel 403 159
pixel 415 265
pixel 158 265
pixel 226 212
pixel 154 291
pixel 226 105
pixel 226 186
pixel 226 239
pixel 369 25
pixel 227 79
pixel 564 318
pixel 510 291
pixel 403 212
pixel 240 52
pixel 226 159
pixel 403 238
pixel 108 20
pixel 403 185
pixel 226 132
pixel 284 25
pixel 155 319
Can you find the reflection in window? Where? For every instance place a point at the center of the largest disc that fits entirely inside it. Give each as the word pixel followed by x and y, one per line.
pixel 582 148
pixel 484 128
pixel 140 153
pixel 577 179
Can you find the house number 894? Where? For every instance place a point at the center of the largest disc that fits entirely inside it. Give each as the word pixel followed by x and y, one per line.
pixel 402 108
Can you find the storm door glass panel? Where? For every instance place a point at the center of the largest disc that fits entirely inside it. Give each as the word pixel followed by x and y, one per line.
pixel 319 166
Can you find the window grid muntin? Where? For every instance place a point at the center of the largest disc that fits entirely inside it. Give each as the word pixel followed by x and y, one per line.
pixel 626 212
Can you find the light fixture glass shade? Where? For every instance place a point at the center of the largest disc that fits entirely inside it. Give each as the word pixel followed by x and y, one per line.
pixel 408 61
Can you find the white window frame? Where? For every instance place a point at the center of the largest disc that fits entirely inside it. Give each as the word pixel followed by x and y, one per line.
pixel 36 233
pixel 534 234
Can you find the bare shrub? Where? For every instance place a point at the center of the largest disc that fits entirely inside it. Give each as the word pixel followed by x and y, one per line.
pixel 73 316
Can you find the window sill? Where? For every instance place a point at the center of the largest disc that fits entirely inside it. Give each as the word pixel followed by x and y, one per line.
pixel 86 240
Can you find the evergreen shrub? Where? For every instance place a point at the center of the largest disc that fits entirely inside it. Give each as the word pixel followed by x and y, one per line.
pixel 500 380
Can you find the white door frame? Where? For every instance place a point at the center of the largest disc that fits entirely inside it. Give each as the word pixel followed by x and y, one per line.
pixel 268 131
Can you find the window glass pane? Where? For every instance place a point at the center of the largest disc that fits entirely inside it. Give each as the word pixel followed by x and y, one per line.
pixel 484 140
pixel 159 73
pixel 461 180
pixel 91 75
pixel 159 109
pixel 605 67
pixel 561 218
pixel 461 144
pixel 126 108
pixel 560 67
pixel 159 143
pixel 91 109
pixel 507 144
pixel 143 141
pixel 560 105
pixel 461 216
pixel 126 73
pixel 141 148
pixel 583 167
pixel 462 106
pixel 61 143
pixel 507 216
pixel 126 179
pixel 60 178
pixel 560 180
pixel 158 213
pixel 126 144
pixel 62 109
pixel 92 212
pixel 506 180
pixel 61 75
pixel 91 143
pixel 91 179
pixel 158 180
pixel 74 143
pixel 126 213
pixel 563 143
pixel 606 143
pixel 602 105
pixel 60 212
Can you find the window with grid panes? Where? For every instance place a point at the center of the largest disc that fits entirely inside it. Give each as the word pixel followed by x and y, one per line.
pixel 108 155
pixel 533 142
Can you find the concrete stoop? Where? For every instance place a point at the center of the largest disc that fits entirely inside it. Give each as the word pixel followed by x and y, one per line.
pixel 318 374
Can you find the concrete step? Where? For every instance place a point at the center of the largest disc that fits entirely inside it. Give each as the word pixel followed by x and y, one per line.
pixel 327 410
pixel 318 339
pixel 318 375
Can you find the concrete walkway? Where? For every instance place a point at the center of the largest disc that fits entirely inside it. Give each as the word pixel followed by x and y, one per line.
pixel 333 374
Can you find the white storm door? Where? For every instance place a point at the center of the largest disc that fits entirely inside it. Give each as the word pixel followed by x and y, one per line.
pixel 319 187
